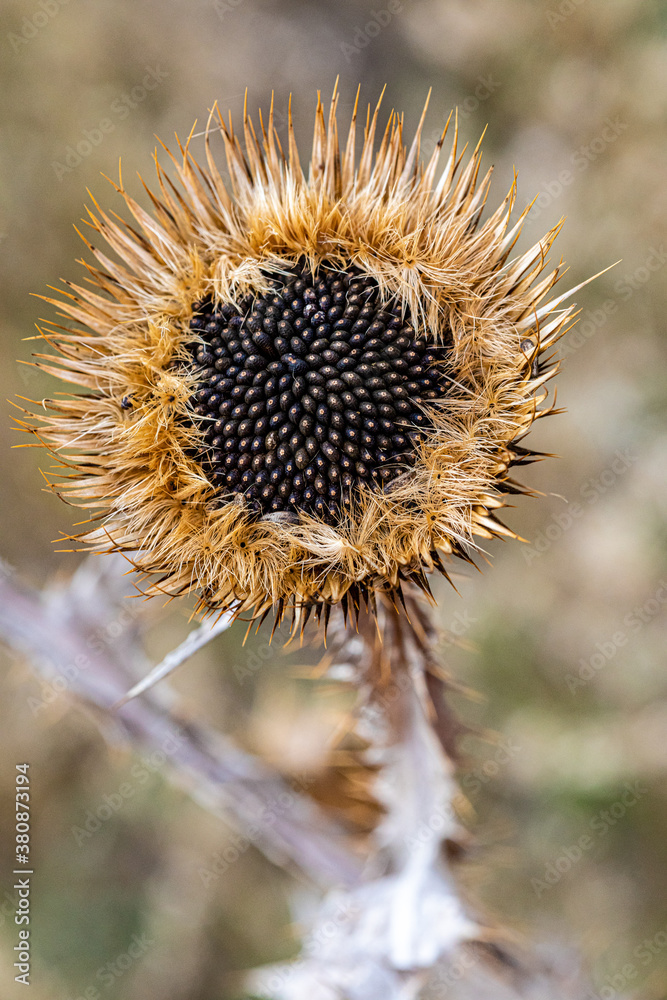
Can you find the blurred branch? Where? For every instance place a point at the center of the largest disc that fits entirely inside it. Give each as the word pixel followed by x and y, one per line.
pixel 53 629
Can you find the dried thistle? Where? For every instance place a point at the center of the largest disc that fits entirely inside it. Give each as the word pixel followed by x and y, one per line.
pixel 300 391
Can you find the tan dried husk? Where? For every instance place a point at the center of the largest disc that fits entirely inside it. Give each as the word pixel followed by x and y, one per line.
pixel 126 446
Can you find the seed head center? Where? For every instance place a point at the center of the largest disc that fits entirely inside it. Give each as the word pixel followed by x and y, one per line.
pixel 310 391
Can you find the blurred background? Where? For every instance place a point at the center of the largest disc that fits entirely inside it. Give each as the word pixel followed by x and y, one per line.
pixel 564 638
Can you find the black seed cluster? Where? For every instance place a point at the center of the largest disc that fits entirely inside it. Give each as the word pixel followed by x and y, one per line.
pixel 311 390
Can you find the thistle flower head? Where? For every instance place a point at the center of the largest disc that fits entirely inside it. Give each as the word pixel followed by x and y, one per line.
pixel 300 388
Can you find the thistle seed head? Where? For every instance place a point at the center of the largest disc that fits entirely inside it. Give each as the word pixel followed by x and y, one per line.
pixel 300 389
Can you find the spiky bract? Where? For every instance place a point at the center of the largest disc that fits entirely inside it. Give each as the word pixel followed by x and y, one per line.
pixel 130 444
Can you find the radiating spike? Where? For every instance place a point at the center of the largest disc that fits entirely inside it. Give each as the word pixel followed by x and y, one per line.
pixel 305 615
pixel 327 615
pixel 411 162
pixel 366 162
pixel 348 172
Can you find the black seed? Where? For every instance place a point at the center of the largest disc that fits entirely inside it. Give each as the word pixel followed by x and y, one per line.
pixel 255 362
pixel 295 413
pixel 332 453
pixel 312 446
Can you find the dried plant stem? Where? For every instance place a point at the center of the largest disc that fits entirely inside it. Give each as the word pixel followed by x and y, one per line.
pixel 52 630
pixel 404 916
